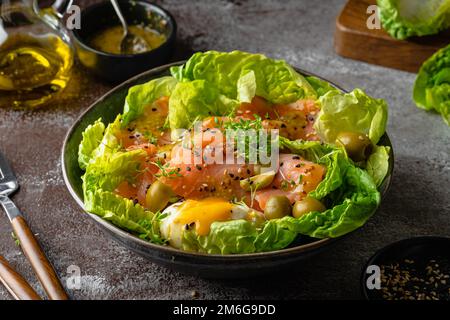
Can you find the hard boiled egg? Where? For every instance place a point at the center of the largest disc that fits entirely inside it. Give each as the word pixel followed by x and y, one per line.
pixel 198 215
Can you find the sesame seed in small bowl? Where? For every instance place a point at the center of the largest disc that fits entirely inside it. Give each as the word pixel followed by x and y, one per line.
pixel 411 269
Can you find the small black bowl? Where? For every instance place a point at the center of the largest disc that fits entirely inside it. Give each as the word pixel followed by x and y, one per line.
pixel 119 67
pixel 413 255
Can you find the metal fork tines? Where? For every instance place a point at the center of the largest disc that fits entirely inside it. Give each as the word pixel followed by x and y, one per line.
pixel 8 185
pixel 8 181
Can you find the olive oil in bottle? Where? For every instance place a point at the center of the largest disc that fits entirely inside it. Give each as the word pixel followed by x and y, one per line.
pixel 33 69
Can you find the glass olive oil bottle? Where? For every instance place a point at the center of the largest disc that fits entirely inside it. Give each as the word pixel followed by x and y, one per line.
pixel 35 57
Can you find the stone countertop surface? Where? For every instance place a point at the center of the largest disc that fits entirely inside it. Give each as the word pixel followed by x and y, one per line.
pixel 298 31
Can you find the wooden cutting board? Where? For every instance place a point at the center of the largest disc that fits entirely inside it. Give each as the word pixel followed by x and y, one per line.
pixel 353 39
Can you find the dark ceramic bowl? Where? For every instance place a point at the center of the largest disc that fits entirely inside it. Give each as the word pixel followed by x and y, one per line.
pixel 418 249
pixel 119 67
pixel 204 265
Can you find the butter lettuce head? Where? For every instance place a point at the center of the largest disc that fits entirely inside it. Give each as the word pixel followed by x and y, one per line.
pixel 407 18
pixel 355 112
pixel 349 192
pixel 432 86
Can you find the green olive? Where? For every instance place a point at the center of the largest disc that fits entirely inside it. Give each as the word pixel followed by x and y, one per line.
pixel 256 218
pixel 357 145
pixel 158 196
pixel 306 206
pixel 277 207
pixel 258 182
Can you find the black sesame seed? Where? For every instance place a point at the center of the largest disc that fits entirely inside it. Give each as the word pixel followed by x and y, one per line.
pixel 188 168
pixel 198 167
pixel 295 158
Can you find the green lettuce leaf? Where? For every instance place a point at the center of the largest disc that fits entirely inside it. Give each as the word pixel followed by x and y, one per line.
pixel 355 111
pixel 432 86
pixel 106 168
pixel 241 75
pixel 103 175
pixel 320 86
pixel 196 100
pixel 107 172
pixel 378 164
pixel 236 236
pixel 407 18
pixel 92 137
pixel 141 96
pixel 310 150
pixel 124 214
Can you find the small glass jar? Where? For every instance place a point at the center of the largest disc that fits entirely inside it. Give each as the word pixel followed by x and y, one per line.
pixel 36 55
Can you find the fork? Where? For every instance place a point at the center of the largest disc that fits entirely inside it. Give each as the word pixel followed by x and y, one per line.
pixel 30 246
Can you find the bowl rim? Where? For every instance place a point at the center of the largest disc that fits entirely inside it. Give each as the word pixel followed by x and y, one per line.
pixel 427 240
pixel 154 8
pixel 126 236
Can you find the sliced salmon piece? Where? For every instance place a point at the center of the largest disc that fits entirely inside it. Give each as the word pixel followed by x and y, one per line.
pixel 259 106
pixel 201 173
pixel 149 125
pixel 294 120
pixel 295 178
pixel 209 180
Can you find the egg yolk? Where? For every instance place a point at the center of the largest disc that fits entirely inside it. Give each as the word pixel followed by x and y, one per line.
pixel 203 213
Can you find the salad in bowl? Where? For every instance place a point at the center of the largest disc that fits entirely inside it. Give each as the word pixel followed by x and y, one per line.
pixel 236 153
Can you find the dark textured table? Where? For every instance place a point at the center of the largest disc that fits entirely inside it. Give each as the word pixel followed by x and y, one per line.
pixel 300 32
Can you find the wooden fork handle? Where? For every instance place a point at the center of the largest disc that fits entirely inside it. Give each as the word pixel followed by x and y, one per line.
pixel 39 262
pixel 15 284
